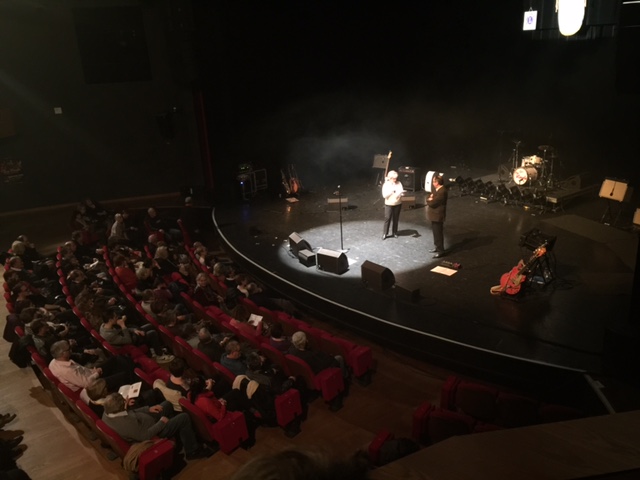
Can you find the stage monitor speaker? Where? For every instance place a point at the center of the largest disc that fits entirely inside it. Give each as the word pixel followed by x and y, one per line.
pixel 406 294
pixel 408 176
pixel 337 203
pixel 332 261
pixel 297 243
pixel 408 202
pixel 376 276
pixel 617 190
pixel 307 257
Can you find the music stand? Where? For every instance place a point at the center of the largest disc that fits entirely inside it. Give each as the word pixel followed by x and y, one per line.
pixel 380 162
pixel 614 190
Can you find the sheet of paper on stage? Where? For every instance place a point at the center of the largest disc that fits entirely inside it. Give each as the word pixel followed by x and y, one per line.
pixel 444 270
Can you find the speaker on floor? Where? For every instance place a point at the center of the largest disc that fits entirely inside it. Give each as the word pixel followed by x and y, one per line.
pixel 409 295
pixel 408 202
pixel 376 276
pixel 307 257
pixel 332 261
pixel 297 243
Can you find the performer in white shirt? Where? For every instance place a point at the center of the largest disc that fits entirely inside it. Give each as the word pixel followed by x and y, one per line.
pixel 392 192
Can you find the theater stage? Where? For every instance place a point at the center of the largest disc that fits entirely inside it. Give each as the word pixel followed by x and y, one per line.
pixel 554 328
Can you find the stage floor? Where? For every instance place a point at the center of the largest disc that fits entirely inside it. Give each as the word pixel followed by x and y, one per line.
pixel 562 323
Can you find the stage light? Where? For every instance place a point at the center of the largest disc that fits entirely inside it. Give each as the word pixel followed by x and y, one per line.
pixel 570 15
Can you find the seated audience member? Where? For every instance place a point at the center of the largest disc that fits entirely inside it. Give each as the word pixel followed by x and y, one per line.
pixel 177 381
pixel 220 272
pixel 212 346
pixel 233 358
pixel 257 295
pixel 144 423
pixel 116 371
pixel 267 374
pixel 155 223
pixel 31 254
pixel 126 274
pixel 180 328
pixel 317 360
pixel 118 234
pixel 115 331
pixel 163 260
pixel 204 293
pixel 277 338
pixel 202 395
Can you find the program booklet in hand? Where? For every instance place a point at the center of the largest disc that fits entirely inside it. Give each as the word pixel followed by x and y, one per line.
pixel 130 391
pixel 254 320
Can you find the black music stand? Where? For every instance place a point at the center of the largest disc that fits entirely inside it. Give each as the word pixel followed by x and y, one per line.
pixel 614 191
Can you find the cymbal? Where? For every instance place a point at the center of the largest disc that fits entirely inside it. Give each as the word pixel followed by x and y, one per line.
pixel 545 148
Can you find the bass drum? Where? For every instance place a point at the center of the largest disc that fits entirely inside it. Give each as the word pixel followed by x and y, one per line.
pixel 429 178
pixel 524 175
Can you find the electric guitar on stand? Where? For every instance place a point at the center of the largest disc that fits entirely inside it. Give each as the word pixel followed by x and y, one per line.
pixel 285 182
pixel 511 282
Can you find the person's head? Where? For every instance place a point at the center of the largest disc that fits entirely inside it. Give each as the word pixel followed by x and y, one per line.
pixel 120 260
pixel 177 367
pixel 16 263
pixel 254 361
pixel 118 218
pixel 219 269
pixel 113 314
pixel 61 350
pixel 392 176
pixel 148 295
pixel 436 181
pixel 168 317
pixel 277 331
pixel 197 386
pixel 76 275
pixel 202 280
pixel 39 327
pixel 204 335
pixel 233 349
pixel 24 239
pixel 76 236
pixel 299 340
pixel 114 403
pixel 20 291
pixel 162 252
pixel 18 247
pixel 152 239
pixel 142 272
pixel 188 201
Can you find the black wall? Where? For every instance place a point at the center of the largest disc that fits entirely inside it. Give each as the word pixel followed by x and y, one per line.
pixel 115 137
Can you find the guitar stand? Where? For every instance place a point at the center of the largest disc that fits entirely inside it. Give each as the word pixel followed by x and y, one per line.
pixel 541 269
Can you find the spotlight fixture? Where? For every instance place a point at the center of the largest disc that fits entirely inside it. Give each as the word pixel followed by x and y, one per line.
pixel 570 15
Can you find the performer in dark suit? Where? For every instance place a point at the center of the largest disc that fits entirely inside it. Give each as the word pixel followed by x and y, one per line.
pixel 437 203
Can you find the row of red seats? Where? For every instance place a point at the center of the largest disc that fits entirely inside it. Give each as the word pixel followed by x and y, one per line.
pixel 329 383
pixel 471 407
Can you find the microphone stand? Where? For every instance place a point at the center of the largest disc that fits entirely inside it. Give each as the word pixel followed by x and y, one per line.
pixel 340 213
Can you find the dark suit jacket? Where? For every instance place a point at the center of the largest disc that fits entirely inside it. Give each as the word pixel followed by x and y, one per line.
pixel 438 205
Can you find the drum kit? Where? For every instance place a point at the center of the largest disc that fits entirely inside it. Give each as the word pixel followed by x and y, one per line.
pixel 533 169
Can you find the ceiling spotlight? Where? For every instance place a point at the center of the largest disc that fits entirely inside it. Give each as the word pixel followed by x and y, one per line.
pixel 570 15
